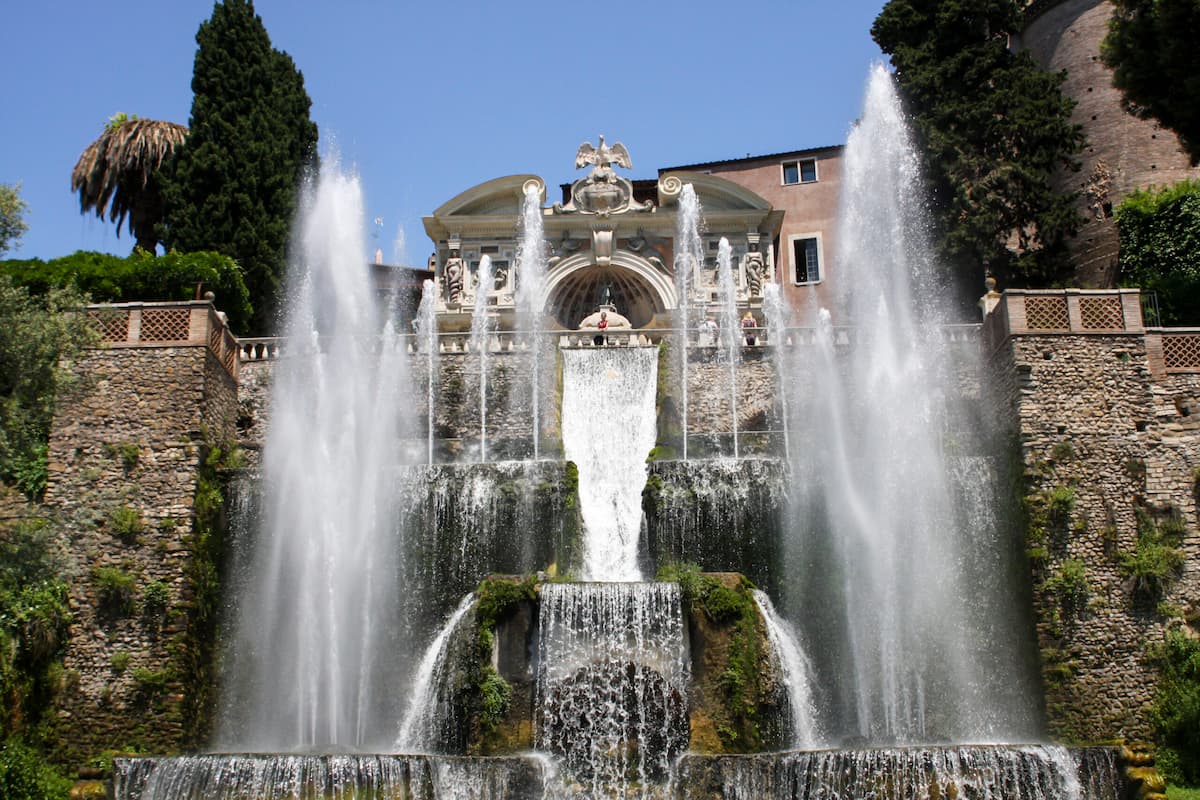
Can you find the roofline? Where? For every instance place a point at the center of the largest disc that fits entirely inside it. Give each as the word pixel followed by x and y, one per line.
pixel 765 157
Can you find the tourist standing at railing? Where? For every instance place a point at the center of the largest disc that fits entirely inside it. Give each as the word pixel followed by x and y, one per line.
pixel 750 329
pixel 598 339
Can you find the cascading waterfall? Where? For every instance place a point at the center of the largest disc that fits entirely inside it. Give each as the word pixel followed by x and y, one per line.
pixel 424 713
pixel 608 427
pixel 731 331
pixel 1031 772
pixel 428 341
pixel 480 343
pixel 612 684
pixel 689 254
pixel 796 675
pixel 337 777
pixel 531 295
pixel 919 659
pixel 312 659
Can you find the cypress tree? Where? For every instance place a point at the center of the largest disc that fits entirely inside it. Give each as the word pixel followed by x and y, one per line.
pixel 232 187
pixel 993 128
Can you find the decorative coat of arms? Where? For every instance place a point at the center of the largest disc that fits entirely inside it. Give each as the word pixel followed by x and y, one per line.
pixel 602 192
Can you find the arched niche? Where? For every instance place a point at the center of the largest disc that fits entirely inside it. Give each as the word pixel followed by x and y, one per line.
pixel 639 289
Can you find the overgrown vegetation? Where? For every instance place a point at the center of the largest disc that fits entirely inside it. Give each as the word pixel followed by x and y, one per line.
pixel 34 620
pixel 141 276
pixel 1069 586
pixel 738 680
pixel 993 129
pixel 1156 560
pixel 496 599
pixel 115 590
pixel 194 662
pixel 1160 248
pixel 1048 520
pixel 126 524
pixel 1176 711
pixel 38 341
pixel 25 775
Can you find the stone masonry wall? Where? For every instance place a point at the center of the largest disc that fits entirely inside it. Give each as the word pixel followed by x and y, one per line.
pixel 124 459
pixel 1101 445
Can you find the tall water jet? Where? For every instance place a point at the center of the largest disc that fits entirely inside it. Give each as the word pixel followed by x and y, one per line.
pixel 731 338
pixel 312 661
pixel 777 316
pixel 608 430
pixel 531 294
pixel 481 332
pixel 927 645
pixel 427 339
pixel 689 255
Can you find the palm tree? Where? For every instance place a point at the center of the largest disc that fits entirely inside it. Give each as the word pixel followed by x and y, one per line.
pixel 116 174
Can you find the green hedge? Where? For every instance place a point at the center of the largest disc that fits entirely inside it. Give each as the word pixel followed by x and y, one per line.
pixel 1160 248
pixel 115 279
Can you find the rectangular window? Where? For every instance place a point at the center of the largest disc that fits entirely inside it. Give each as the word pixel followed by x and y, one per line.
pixel 803 171
pixel 806 260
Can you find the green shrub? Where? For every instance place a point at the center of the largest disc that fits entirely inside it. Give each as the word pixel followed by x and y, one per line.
pixel 152 682
pixel 114 589
pixel 25 775
pixel 141 276
pixel 1176 710
pixel 1160 248
pixel 1070 587
pixel 495 696
pixel 119 661
pixel 155 596
pixel 1156 561
pixel 126 524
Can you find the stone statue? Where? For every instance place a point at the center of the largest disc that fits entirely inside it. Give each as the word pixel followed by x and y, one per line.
pixel 755 272
pixel 454 280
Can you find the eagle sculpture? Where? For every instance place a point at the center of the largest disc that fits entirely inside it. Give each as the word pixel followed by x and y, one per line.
pixel 603 155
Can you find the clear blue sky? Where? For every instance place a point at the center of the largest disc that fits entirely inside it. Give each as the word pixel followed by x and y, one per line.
pixel 427 99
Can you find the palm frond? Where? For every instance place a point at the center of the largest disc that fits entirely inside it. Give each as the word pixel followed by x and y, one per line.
pixel 115 169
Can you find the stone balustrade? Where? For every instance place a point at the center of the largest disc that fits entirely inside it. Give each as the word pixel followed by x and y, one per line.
pixel 271 348
pixel 168 324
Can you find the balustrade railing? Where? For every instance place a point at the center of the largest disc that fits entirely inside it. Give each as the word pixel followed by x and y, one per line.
pixel 269 349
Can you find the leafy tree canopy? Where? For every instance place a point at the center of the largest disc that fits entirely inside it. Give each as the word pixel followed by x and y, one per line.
pixel 1151 46
pixel 141 276
pixel 993 129
pixel 1160 248
pixel 37 338
pixel 232 187
pixel 12 216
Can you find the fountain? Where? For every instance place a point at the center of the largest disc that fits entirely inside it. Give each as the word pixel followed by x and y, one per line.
pixel 693 686
pixel 312 661
pixel 531 296
pixel 427 337
pixel 689 254
pixel 481 331
pixel 731 330
pixel 926 642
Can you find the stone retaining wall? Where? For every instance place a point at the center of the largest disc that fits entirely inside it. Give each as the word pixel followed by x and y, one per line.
pixel 125 455
pixel 1104 446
